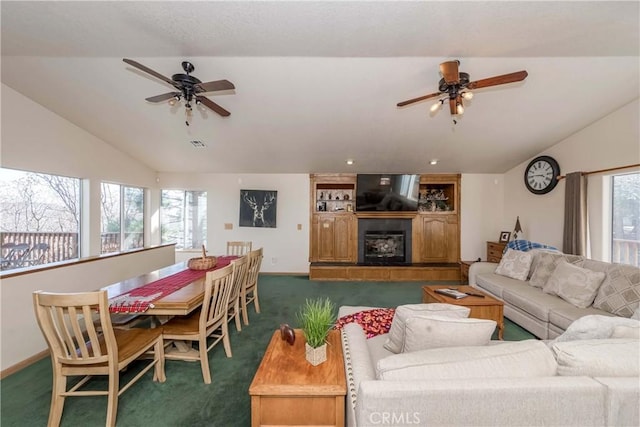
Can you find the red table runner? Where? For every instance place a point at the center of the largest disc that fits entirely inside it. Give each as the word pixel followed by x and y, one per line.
pixel 141 299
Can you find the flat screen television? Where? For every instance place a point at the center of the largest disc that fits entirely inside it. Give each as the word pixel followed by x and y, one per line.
pixel 387 192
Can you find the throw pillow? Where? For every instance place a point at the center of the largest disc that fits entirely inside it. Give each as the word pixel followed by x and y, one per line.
pixel 424 332
pixel 636 313
pixel 620 291
pixel 515 264
pixel 516 359
pixel 395 341
pixel 598 358
pixel 622 331
pixel 536 256
pixel 546 265
pixel 594 326
pixel 576 285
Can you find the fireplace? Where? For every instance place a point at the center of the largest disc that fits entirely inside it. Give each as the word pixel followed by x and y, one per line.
pixel 384 241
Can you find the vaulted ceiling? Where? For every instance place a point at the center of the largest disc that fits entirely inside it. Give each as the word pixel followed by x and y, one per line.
pixel 317 82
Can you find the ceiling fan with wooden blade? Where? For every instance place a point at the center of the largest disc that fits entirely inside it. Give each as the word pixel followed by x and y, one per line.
pixel 187 87
pixel 455 86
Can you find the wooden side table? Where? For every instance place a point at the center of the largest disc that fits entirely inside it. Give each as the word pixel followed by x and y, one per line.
pixel 287 390
pixel 464 271
pixel 494 251
pixel 481 308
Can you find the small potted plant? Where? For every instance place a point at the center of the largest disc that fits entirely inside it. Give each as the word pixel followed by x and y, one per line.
pixel 316 320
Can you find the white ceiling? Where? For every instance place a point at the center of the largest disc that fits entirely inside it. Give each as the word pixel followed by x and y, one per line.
pixel 317 82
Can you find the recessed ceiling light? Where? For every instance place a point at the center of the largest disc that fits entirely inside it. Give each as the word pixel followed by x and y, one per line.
pixel 350 162
pixel 433 162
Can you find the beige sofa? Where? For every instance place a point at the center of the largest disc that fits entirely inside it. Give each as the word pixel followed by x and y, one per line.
pixel 546 315
pixel 500 384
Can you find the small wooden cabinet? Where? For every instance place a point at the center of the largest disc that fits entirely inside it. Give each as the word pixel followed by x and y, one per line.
pixel 494 251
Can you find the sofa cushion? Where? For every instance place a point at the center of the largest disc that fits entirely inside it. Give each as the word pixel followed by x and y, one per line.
pixel 564 315
pixel 620 291
pixel 601 357
pixel 594 327
pixel 529 358
pixel 395 340
pixel 424 332
pixel 532 301
pixel 496 284
pixel 546 265
pixel 574 284
pixel 515 264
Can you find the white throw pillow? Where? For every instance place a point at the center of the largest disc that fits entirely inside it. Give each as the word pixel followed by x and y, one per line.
pixel 622 331
pixel 594 326
pixel 546 265
pixel 515 264
pixel 598 358
pixel 576 285
pixel 395 341
pixel 424 332
pixel 529 358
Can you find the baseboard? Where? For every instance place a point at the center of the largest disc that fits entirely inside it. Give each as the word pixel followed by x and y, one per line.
pixel 23 364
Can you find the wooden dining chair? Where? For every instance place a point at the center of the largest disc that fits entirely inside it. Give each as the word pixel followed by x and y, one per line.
pixel 82 342
pixel 238 248
pixel 249 292
pixel 240 268
pixel 209 322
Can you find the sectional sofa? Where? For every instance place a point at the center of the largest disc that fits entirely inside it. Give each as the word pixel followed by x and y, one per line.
pixel 496 384
pixel 545 291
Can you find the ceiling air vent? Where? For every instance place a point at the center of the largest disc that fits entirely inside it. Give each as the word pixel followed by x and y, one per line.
pixel 198 144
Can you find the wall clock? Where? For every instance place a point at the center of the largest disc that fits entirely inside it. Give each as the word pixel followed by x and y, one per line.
pixel 541 175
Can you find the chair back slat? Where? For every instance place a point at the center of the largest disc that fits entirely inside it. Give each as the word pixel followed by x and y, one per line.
pixel 218 285
pixel 238 248
pixel 240 269
pixel 255 261
pixel 69 326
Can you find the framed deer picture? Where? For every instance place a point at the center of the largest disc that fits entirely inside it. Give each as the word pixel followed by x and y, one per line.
pixel 258 208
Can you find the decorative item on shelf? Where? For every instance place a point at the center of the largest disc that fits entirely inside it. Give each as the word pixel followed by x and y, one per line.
pixel 517 230
pixel 321 195
pixel 316 320
pixel 287 333
pixel 203 263
pixel 346 196
pixel 504 236
pixel 349 207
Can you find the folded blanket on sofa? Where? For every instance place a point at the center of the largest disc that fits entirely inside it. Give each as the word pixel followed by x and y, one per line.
pixel 526 245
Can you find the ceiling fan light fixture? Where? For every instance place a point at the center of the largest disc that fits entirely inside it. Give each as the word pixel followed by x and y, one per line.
pixel 460 109
pixel 467 95
pixel 438 105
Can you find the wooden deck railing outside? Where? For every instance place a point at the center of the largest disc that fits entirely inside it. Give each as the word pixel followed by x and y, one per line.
pixel 626 252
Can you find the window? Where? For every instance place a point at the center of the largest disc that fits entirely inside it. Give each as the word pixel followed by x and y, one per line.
pixel 122 218
pixel 625 224
pixel 39 218
pixel 183 218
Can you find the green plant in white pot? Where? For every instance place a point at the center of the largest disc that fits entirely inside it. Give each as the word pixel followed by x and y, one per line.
pixel 316 317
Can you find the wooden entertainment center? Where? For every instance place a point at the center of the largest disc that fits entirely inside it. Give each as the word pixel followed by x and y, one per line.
pixel 434 236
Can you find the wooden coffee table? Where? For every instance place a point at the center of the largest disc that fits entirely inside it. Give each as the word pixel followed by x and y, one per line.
pixel 287 390
pixel 481 308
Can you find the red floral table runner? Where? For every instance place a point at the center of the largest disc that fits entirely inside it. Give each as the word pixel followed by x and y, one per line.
pixel 141 299
pixel 375 322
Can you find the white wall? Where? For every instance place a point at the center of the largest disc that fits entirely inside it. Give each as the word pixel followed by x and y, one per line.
pixel 21 337
pixel 482 213
pixel 286 249
pixel 612 141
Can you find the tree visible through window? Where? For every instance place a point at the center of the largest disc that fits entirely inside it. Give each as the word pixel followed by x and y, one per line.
pixel 39 218
pixel 122 218
pixel 183 218
pixel 625 225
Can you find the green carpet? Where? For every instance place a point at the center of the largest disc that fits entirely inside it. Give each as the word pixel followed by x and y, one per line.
pixel 184 400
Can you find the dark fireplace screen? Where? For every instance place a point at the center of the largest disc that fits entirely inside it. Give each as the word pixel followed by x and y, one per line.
pixel 384 247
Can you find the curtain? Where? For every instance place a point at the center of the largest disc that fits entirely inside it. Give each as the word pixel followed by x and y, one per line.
pixel 574 239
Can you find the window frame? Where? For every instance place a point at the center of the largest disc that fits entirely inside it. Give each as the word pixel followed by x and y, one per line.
pixel 122 233
pixel 185 219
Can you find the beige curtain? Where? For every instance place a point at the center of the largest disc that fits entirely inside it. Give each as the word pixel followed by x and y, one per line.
pixel 574 240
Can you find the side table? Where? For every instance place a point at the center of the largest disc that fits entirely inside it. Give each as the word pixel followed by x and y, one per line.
pixel 464 271
pixel 287 390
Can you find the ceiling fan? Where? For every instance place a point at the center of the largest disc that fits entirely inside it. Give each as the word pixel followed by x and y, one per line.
pixel 187 87
pixel 455 86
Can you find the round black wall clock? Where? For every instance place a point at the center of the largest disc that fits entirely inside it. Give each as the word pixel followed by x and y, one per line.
pixel 541 175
